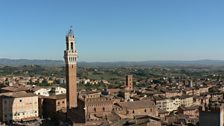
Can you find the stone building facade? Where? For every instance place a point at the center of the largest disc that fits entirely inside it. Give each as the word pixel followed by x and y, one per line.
pixel 131 109
pixel 53 105
pixel 17 106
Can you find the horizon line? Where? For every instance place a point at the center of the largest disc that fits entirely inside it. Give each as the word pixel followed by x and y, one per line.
pixel 170 60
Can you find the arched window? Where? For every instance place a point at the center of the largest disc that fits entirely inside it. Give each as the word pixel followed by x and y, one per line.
pixel 133 111
pixel 145 110
pixel 67 45
pixel 103 109
pixel 94 109
pixel 71 46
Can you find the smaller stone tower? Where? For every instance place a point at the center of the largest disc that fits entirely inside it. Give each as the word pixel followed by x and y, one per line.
pixel 129 82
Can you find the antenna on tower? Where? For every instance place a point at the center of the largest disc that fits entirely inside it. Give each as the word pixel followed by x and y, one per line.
pixel 70 31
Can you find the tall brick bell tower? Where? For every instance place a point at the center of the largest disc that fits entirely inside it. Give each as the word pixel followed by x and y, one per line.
pixel 70 56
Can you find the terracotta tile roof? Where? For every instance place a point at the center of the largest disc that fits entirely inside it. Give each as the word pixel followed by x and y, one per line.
pixel 61 96
pixel 137 104
pixel 36 88
pixel 160 97
pixel 185 96
pixel 89 92
pixel 14 89
pixel 114 90
pixel 189 108
pixel 17 94
pixel 100 100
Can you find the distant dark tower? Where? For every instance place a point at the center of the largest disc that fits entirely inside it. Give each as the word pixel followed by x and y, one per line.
pixel 70 56
pixel 129 82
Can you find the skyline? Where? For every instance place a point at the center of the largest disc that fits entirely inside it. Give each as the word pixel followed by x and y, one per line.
pixel 113 30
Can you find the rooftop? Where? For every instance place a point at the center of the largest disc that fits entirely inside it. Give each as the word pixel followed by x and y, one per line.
pixel 137 104
pixel 14 88
pixel 99 100
pixel 17 94
pixel 61 96
pixel 184 108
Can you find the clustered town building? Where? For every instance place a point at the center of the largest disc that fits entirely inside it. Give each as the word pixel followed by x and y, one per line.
pixel 154 106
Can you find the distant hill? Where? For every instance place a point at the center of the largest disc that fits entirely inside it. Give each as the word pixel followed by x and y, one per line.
pixel 13 62
pixel 217 63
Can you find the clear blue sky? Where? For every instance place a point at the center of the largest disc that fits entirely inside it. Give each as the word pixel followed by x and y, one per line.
pixel 113 30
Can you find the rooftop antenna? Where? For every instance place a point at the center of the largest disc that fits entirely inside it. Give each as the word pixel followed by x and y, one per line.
pixel 70 31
